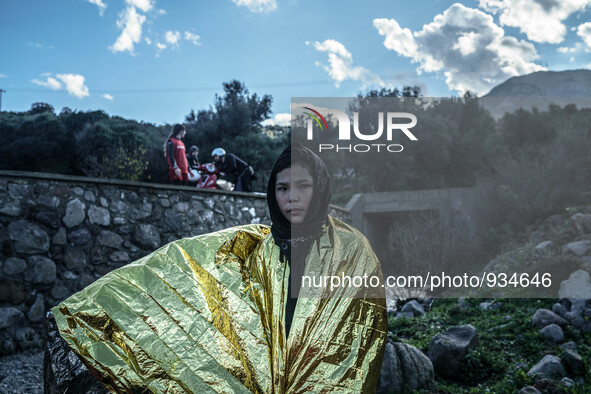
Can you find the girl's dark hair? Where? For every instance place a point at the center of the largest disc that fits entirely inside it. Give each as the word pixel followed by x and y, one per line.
pixel 176 130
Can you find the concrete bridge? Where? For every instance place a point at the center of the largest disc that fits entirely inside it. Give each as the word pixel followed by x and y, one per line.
pixel 373 213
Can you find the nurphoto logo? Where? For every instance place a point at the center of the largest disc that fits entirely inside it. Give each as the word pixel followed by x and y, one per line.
pixel 396 122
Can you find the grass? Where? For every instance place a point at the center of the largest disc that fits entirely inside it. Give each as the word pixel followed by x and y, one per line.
pixel 509 347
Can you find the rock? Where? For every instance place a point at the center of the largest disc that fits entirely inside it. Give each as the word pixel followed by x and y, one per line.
pixel 569 345
pixel 9 316
pixel 28 338
pixel 574 319
pixel 29 238
pixel 60 292
pixel 544 248
pixel 579 304
pixel 119 207
pixel 172 221
pixel 14 266
pixel 586 327
pixel 573 362
pixel 544 317
pixel 37 310
pixel 552 333
pixel 18 191
pixel 104 202
pixel 75 259
pixel 89 196
pixel 578 285
pixel 164 202
pixel 147 236
pixel 60 238
pixel 549 367
pixel 79 237
pixel 567 382
pixel 405 368
pixel 99 215
pixel 15 293
pixel 118 221
pixel 144 211
pixel 529 390
pixel 447 350
pixel 181 207
pixel 578 248
pixel 414 307
pixel 75 213
pixel 110 239
pixel 8 347
pixel 11 209
pixel 581 223
pixel 400 315
pixel 490 306
pixel 559 309
pixel 41 270
pixel 48 202
pixel 119 257
pixel 48 218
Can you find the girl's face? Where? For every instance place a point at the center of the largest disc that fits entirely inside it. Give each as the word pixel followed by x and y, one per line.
pixel 294 189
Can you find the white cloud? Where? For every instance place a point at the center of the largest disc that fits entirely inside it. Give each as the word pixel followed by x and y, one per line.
pixel 257 5
pixel 340 66
pixel 3 75
pixel 466 45
pixel 131 24
pixel 194 38
pixel 107 96
pixel 572 59
pixel 160 46
pixel 144 5
pixel 74 84
pixel 578 46
pixel 281 119
pixel 148 41
pixel 584 31
pixel 99 3
pixel 541 20
pixel 172 37
pixel 588 66
pixel 50 82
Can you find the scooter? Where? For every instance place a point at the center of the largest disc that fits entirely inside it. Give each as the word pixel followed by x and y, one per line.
pixel 207 178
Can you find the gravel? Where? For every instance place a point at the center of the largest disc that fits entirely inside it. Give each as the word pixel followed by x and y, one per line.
pixel 22 373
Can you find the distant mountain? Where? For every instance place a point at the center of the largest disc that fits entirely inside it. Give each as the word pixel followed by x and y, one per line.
pixel 540 89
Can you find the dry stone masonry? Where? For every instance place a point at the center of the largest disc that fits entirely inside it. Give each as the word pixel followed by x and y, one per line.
pixel 58 234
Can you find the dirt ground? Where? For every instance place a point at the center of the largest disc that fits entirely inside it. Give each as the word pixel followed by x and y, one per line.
pixel 22 373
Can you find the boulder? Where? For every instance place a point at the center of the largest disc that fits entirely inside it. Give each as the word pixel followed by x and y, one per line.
pixel 552 333
pixel 578 285
pixel 99 215
pixel 404 369
pixel 578 248
pixel 75 259
pixel 581 223
pixel 28 338
pixel 414 307
pixel 37 310
pixel 573 362
pixel 110 239
pixel 29 238
pixel 549 367
pixel 544 248
pixel 42 270
pixel 9 316
pixel 529 390
pixel 79 237
pixel 574 319
pixel 447 350
pixel 75 213
pixel 147 236
pixel 544 317
pixel 14 266
pixel 559 309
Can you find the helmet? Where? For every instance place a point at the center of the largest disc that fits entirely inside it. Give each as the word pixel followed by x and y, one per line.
pixel 218 152
pixel 193 148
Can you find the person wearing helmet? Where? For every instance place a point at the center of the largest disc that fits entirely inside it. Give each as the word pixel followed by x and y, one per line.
pixel 174 150
pixel 229 163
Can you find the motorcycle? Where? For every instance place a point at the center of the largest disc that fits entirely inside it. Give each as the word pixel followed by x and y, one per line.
pixel 206 177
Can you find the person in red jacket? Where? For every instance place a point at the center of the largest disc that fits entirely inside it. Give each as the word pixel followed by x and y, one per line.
pixel 178 168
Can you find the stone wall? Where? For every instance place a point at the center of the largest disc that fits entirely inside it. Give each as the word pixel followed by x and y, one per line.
pixel 59 233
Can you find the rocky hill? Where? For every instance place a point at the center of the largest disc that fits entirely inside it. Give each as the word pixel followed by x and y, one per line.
pixel 540 89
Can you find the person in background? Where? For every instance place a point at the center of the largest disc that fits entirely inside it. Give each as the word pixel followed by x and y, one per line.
pixel 193 161
pixel 174 150
pixel 229 163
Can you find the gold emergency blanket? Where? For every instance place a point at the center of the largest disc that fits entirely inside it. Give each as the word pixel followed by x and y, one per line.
pixel 206 314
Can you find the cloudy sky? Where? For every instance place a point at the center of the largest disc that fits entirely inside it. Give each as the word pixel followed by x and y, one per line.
pixel 154 61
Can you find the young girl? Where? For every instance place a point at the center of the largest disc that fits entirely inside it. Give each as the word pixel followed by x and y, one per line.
pixel 218 313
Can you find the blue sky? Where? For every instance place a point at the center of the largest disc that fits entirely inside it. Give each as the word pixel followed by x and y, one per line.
pixel 154 61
